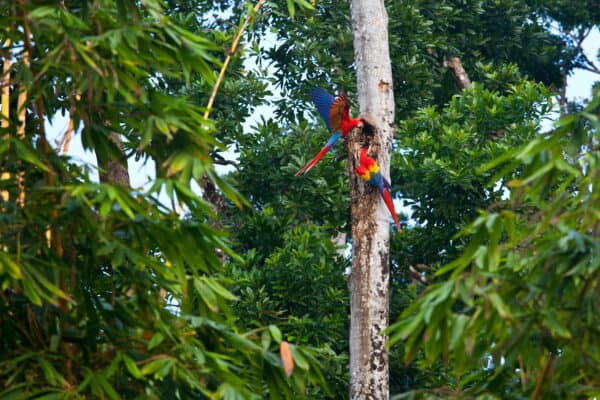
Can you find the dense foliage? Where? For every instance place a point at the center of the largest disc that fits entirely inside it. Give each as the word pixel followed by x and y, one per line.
pixel 523 293
pixel 107 292
pixel 516 53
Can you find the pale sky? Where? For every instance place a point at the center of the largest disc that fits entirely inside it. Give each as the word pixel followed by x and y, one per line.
pixel 579 87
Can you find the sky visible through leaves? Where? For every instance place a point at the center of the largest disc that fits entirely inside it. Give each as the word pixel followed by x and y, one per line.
pixel 141 173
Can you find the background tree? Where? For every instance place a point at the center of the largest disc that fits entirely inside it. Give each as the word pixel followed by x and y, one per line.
pixel 523 293
pixel 106 292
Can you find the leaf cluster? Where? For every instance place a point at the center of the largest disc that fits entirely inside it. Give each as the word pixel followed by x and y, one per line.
pixel 106 291
pixel 521 297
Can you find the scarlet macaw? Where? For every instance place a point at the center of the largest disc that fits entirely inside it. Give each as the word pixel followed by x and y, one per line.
pixel 368 170
pixel 336 114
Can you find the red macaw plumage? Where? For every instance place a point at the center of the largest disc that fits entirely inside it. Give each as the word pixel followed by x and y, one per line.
pixel 368 170
pixel 336 114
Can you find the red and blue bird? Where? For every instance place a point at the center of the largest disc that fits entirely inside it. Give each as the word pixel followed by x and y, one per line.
pixel 335 111
pixel 368 170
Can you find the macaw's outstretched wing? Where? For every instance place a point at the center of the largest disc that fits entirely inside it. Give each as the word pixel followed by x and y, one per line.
pixel 338 111
pixel 323 100
pixel 320 155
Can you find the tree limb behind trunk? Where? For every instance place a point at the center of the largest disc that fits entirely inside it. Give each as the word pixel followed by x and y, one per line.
pixel 460 75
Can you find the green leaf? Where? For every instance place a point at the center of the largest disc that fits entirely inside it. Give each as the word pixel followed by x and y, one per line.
pixel 7 265
pixel 156 339
pixel 26 154
pixel 275 333
pixel 555 327
pixel 43 12
pixel 108 389
pixel 299 359
pixel 218 289
pixel 459 321
pixel 132 367
pixel 50 373
pixel 157 367
pixel 305 4
pixel 499 305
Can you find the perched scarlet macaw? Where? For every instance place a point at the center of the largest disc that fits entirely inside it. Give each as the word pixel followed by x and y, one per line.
pixel 336 113
pixel 368 170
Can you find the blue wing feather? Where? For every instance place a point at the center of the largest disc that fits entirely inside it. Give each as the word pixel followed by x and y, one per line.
pixel 323 100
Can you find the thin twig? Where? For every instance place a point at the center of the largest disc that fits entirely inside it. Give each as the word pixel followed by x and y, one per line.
pixel 207 185
pixel 591 67
pixel 67 137
pixel 222 161
pixel 21 100
pixel 4 194
pixel 522 373
pixel 69 132
pixel 21 120
pixel 6 86
pixel 544 373
pixel 234 45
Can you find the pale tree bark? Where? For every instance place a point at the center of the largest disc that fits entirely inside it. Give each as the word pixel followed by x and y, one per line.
pixel 369 279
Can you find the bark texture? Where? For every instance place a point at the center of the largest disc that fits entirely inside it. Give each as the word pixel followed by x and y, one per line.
pixel 460 75
pixel 369 279
pixel 115 170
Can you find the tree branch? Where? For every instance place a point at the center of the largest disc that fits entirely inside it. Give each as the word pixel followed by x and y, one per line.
pixel 591 66
pixel 544 373
pixel 234 45
pixel 460 75
pixel 369 277
pixel 6 85
pixel 219 160
pixel 210 191
pixel 5 116
pixel 562 99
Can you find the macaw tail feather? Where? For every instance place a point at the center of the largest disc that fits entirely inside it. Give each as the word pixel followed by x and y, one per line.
pixel 320 155
pixel 387 199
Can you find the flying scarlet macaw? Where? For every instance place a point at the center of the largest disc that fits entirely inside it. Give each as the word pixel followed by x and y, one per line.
pixel 368 170
pixel 336 114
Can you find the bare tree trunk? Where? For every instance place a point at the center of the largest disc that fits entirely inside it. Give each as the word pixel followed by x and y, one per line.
pixel 369 279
